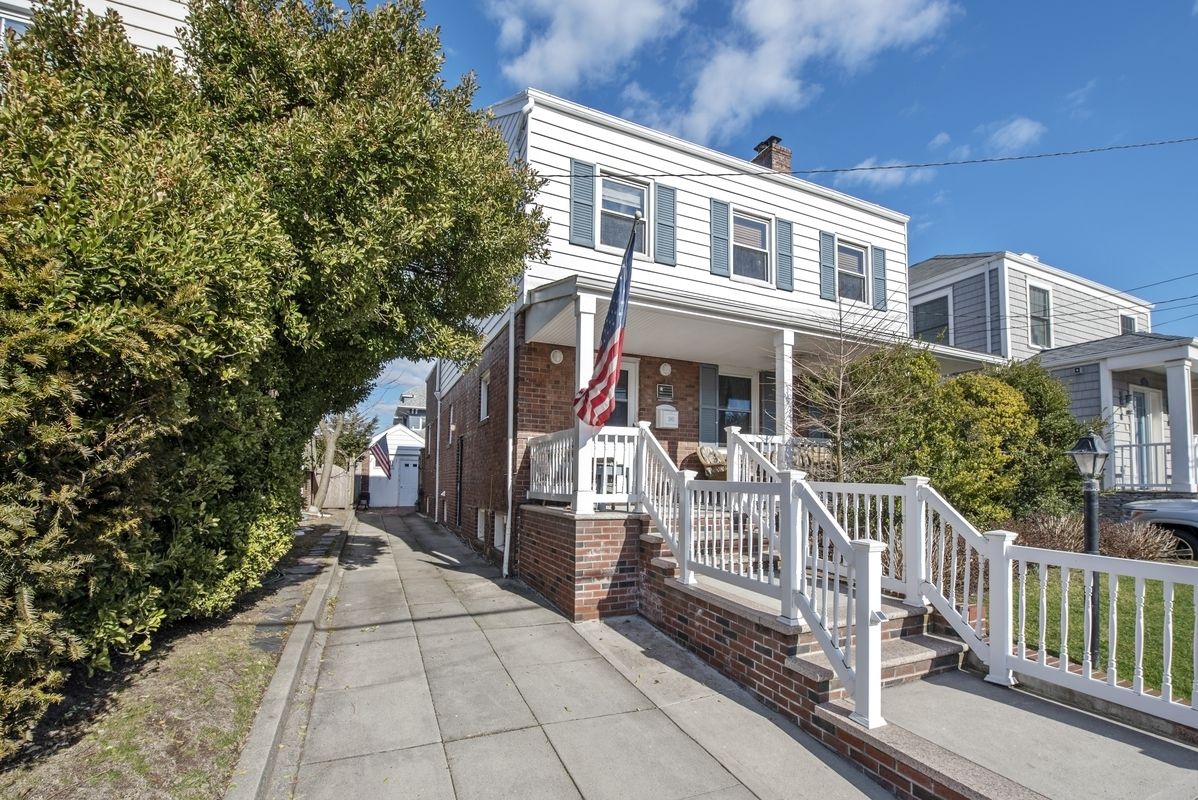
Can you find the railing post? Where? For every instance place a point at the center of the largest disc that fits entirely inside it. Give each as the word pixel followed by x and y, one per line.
pixel 686 524
pixel 733 454
pixel 999 611
pixel 915 540
pixel 867 691
pixel 790 513
pixel 642 442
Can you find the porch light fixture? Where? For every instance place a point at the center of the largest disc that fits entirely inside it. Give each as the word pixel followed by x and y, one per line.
pixel 556 357
pixel 665 369
pixel 1090 455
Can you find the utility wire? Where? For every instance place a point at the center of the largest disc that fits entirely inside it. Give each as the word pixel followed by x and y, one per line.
pixel 922 165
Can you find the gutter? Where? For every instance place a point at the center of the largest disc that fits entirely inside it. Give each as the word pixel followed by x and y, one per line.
pixel 437 447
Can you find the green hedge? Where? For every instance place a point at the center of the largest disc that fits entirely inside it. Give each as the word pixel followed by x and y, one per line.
pixel 196 264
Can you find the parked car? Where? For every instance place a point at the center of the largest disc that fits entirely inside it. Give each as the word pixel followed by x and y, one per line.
pixel 1178 516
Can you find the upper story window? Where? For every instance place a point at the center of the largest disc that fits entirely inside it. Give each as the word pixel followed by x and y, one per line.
pixel 9 23
pixel 620 201
pixel 484 395
pixel 1039 302
pixel 850 272
pixel 750 247
pixel 931 321
pixel 1127 323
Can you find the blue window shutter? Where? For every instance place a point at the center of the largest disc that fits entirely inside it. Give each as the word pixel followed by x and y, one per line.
pixel 785 277
pixel 582 203
pixel 879 266
pixel 709 414
pixel 665 227
pixel 719 241
pixel 827 265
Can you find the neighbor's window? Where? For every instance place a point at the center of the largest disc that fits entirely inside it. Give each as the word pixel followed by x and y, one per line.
pixel 850 272
pixel 10 24
pixel 484 395
pixel 750 247
pixel 621 200
pixel 735 404
pixel 1127 324
pixel 1040 316
pixel 931 321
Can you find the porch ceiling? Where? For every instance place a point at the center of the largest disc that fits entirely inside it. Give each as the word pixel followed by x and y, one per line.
pixel 672 334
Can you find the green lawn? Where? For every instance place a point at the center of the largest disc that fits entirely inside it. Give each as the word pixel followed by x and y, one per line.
pixel 1125 646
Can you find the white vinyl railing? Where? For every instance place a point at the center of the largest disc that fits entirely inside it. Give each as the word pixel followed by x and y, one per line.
pixel 613 464
pixel 734 533
pixel 661 485
pixel 795 452
pixel 1143 606
pixel 551 461
pixel 1143 466
pixel 872 511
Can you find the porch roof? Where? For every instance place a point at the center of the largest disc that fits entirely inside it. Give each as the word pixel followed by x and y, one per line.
pixel 1133 350
pixel 676 325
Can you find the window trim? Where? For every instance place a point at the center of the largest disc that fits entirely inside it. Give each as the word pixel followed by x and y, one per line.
pixel 866 264
pixel 649 188
pixel 10 13
pixel 930 298
pixel 754 398
pixel 1051 325
pixel 771 246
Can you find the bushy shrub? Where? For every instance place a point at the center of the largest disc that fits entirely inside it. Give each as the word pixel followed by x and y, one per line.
pixel 1117 539
pixel 196 264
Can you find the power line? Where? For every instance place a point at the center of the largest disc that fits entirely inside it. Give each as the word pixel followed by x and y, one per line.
pixel 921 165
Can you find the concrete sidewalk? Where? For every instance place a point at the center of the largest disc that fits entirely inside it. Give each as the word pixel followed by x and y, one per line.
pixel 433 678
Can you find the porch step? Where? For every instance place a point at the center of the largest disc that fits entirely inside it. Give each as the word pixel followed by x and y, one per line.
pixel 904 659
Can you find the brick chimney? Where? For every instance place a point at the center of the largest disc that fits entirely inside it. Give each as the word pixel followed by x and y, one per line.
pixel 772 155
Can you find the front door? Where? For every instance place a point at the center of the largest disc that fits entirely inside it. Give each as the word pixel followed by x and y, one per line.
pixel 1140 436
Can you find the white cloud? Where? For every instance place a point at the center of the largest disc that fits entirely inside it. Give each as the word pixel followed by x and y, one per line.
pixel 1078 101
pixel 939 140
pixel 960 153
pixel 560 44
pixel 760 62
pixel 880 179
pixel 1012 136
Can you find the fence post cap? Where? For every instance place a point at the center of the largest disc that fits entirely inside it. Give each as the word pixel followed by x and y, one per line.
pixel 688 474
pixel 733 429
pixel 868 546
pixel 916 480
pixel 1001 536
pixel 646 424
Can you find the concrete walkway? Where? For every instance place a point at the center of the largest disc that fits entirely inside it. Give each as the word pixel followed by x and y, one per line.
pixel 432 678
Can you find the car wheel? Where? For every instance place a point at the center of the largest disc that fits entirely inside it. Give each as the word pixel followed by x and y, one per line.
pixel 1187 542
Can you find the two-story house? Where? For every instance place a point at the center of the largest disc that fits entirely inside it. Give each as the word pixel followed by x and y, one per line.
pixel 740 269
pixel 1097 340
pixel 150 24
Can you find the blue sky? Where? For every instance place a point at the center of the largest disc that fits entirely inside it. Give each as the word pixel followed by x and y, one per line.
pixel 850 82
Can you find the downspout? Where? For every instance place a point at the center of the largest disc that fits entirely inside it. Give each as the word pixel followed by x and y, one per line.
pixel 511 429
pixel 437 448
pixel 511 395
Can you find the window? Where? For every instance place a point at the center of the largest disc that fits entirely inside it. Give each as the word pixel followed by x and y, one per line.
pixel 484 395
pixel 449 428
pixel 500 530
pixel 735 404
pixel 930 321
pixel 480 526
pixel 1127 323
pixel 621 200
pixel 850 272
pixel 1040 316
pixel 750 248
pixel 8 23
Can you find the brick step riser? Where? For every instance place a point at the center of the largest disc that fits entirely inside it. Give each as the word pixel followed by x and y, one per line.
pixel 900 674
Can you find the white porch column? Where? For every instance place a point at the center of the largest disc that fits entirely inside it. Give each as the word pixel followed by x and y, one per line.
pixel 1181 424
pixel 784 366
pixel 584 365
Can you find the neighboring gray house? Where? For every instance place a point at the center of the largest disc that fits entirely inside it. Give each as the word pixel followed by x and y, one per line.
pixel 412 410
pixel 1095 339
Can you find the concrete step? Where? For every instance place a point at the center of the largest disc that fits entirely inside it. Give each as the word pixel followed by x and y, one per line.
pixel 904 659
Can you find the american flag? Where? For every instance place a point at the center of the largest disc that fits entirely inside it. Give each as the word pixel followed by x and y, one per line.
pixel 382 455
pixel 595 403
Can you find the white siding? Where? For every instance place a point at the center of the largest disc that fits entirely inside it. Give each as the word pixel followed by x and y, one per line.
pixel 554 137
pixel 150 23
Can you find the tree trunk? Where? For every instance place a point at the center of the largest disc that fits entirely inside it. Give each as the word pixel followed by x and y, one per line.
pixel 330 453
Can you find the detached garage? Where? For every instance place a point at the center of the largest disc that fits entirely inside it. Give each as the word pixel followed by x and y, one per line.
pixel 392 475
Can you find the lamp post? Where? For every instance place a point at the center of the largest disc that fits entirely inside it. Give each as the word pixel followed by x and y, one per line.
pixel 1090 455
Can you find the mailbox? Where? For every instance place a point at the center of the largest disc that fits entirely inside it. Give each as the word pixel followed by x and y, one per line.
pixel 667 418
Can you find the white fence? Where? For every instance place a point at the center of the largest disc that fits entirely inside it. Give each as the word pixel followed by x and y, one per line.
pixel 1143 466
pixel 826 551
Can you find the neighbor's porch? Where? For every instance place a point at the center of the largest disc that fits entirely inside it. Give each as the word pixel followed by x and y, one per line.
pixel 1152 427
